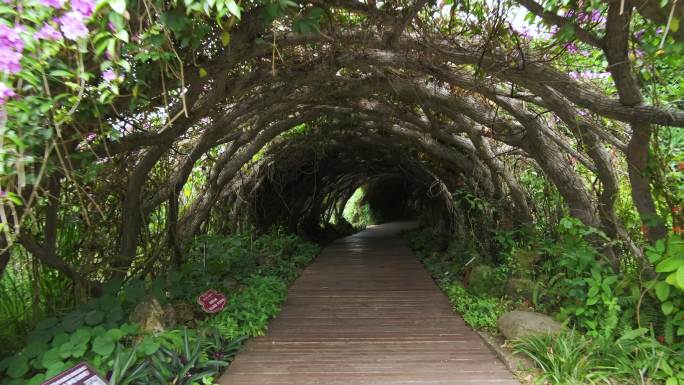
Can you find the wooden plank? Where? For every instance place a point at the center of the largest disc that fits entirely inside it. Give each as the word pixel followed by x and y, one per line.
pixel 367 313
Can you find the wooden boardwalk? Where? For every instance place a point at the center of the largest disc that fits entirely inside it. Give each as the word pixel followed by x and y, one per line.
pixel 366 312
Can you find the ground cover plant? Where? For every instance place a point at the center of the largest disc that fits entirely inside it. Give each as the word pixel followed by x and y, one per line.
pixel 254 272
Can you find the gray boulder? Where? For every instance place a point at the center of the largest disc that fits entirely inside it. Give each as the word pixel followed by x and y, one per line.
pixel 518 324
pixel 151 316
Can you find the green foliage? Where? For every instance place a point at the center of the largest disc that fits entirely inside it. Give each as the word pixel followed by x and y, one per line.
pixel 565 358
pixel 623 330
pixel 357 211
pixel 487 280
pixel 248 312
pixel 633 358
pixel 585 287
pixel 667 255
pixel 254 272
pixel 478 311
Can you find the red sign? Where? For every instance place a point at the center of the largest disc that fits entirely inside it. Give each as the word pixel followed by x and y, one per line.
pixel 81 374
pixel 212 301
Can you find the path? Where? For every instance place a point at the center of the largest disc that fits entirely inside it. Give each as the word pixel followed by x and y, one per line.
pixel 366 312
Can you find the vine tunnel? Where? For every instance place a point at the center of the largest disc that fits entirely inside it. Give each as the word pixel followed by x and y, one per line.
pixel 277 115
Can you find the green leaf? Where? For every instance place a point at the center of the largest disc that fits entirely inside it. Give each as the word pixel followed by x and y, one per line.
pixel 662 291
pixel 60 338
pixel 94 317
pixel 47 323
pixel 103 345
pixel 34 348
pixel 73 321
pixel 50 357
pixel 148 346
pixel 61 74
pixel 680 277
pixel 82 336
pixel 672 381
pixel 135 290
pixel 66 350
pixel 667 307
pixel 18 366
pixel 114 334
pixel 128 329
pixel 115 314
pixel 233 8
pixel 225 38
pixel 79 350
pixel 632 334
pixel 37 379
pixel 593 291
pixel 674 25
pixel 122 35
pixel 669 264
pixel 118 6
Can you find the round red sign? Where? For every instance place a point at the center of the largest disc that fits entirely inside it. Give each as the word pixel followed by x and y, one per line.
pixel 212 301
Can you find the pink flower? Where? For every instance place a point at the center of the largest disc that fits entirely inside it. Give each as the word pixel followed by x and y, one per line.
pixel 72 26
pixel 10 38
pixel 48 32
pixel 57 4
pixel 109 75
pixel 10 60
pixel 84 7
pixel 5 93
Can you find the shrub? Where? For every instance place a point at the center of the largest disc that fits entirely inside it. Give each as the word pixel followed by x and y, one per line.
pixel 565 358
pixel 478 312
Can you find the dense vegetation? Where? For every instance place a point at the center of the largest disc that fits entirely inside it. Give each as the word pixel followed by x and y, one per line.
pixel 540 140
pixel 621 328
pixel 189 346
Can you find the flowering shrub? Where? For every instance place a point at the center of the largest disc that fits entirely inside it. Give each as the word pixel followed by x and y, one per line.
pixel 56 56
pixel 63 64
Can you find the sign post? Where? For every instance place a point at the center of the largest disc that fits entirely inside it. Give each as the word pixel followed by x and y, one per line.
pixel 81 374
pixel 212 301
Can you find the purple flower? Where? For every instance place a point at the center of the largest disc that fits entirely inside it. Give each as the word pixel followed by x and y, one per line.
pixel 639 34
pixel 90 136
pixel 10 38
pixel 57 4
pixel 48 32
pixel 10 60
pixel 571 47
pixel 109 75
pixel 72 26
pixel 596 16
pixel 5 93
pixel 84 7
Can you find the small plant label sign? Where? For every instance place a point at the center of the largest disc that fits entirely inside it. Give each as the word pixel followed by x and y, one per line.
pixel 81 374
pixel 212 301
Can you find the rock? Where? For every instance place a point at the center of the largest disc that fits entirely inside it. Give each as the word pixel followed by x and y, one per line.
pixel 520 288
pixel 518 324
pixel 184 311
pixel 151 316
